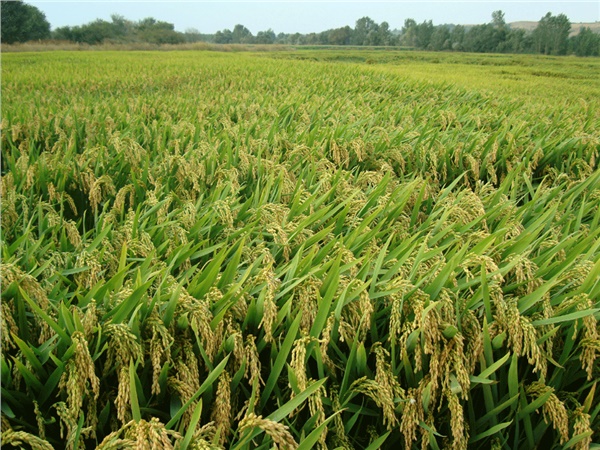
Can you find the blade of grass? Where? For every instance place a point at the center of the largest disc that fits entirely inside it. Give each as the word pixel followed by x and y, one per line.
pixel 378 443
pixel 493 430
pixel 45 317
pixel 282 355
pixel 189 434
pixel 135 407
pixel 310 441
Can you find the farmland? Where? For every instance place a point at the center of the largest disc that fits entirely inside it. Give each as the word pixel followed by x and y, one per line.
pixel 307 249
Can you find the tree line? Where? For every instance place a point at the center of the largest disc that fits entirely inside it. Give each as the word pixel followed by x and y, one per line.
pixel 22 22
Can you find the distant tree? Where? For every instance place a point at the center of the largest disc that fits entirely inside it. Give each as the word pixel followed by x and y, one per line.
pixel 498 19
pixel 63 34
pixel 409 33
pixel 157 32
pixel 385 34
pixel 340 36
pixel 224 37
pixel 423 32
pixel 365 32
pixel 265 37
pixel 551 34
pixel 21 22
pixel 194 35
pixel 475 38
pixel 297 39
pixel 121 30
pixel 121 27
pixel 241 35
pixel 149 23
pixel 484 39
pixel 282 38
pixel 500 31
pixel 289 39
pixel 94 32
pixel 517 41
pixel 323 37
pixel 457 37
pixel 487 38
pixel 586 43
pixel 440 39
pixel 541 34
pixel 310 39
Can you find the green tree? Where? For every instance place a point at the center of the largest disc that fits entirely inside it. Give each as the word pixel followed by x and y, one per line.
pixel 484 39
pixel 121 30
pixel 500 32
pixel 385 34
pixel 365 32
pixel 517 41
pixel 241 35
pixel 551 35
pixel 340 36
pixel 120 26
pixel 224 37
pixel 457 37
pixel 22 22
pixel 498 19
pixel 96 32
pixel 586 43
pixel 266 37
pixel 192 35
pixel 440 39
pixel 296 39
pixel 408 35
pixel 63 34
pixel 423 32
pixel 157 32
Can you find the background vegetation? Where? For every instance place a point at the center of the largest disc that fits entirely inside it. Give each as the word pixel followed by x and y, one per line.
pixel 22 22
pixel 551 36
pixel 210 250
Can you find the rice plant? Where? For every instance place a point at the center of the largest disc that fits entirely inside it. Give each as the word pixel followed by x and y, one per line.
pixel 207 250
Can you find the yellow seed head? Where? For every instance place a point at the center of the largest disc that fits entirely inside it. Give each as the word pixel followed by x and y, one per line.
pixel 457 422
pixel 278 432
pixel 581 425
pixel 554 410
pixel 253 366
pixel 412 414
pixel 221 413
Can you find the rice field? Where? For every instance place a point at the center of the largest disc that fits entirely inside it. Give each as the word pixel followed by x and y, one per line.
pixel 310 249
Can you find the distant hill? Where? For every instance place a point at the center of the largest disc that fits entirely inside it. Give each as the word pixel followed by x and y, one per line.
pixel 575 27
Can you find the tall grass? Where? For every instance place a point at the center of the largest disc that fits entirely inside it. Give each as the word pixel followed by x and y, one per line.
pixel 205 250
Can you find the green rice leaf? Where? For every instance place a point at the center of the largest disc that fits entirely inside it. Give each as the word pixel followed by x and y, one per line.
pixel 135 407
pixel 493 430
pixel 282 355
pixel 46 318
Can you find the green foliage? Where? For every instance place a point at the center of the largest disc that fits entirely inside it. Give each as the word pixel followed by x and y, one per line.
pixel 586 43
pixel 121 30
pixel 551 34
pixel 369 32
pixel 22 22
pixel 241 251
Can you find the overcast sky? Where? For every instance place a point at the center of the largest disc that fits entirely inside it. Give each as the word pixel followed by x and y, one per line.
pixel 308 16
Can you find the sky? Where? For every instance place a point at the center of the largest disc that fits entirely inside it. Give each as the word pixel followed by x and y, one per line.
pixel 308 16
